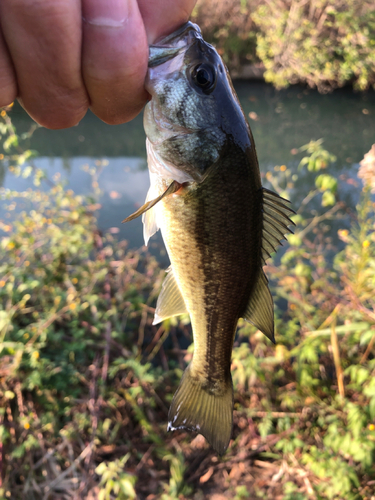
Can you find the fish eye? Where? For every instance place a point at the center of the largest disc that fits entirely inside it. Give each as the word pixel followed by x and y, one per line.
pixel 204 77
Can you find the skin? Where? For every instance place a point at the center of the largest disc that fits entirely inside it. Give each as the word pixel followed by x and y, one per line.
pixel 61 57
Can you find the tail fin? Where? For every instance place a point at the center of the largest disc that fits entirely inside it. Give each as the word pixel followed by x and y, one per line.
pixel 195 407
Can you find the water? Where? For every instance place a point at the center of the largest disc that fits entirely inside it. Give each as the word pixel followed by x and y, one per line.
pixel 280 121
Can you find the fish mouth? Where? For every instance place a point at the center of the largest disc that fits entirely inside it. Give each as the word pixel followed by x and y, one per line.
pixel 172 45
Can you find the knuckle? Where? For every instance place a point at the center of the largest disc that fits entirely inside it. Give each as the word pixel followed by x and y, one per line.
pixel 37 9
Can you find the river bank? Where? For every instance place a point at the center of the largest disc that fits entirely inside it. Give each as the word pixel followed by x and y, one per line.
pixel 322 43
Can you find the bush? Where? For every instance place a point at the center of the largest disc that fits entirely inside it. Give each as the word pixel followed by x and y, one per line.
pixel 324 43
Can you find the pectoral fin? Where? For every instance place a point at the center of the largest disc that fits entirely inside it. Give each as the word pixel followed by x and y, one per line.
pixel 170 301
pixel 175 186
pixel 149 218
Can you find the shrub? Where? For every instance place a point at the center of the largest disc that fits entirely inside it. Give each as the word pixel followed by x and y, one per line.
pixel 325 43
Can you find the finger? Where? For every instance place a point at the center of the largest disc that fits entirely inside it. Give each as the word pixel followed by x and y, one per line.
pixel 44 41
pixel 162 17
pixel 114 58
pixel 8 84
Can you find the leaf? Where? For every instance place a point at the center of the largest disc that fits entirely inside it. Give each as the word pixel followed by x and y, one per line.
pixel 10 142
pixel 326 182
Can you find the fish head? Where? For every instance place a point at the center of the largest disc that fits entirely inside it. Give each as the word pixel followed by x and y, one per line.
pixel 194 111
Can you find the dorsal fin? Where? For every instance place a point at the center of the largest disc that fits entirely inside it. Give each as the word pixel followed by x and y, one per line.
pixel 259 310
pixel 170 301
pixel 275 222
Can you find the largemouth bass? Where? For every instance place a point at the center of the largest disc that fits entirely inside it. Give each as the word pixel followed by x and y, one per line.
pixel 218 224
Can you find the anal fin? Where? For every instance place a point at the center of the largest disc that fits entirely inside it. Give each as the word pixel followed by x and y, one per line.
pixel 170 301
pixel 259 310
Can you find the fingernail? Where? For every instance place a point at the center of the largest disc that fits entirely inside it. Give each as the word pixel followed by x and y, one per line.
pixel 107 14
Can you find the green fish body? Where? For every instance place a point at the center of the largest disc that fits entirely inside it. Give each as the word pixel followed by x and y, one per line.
pixel 218 224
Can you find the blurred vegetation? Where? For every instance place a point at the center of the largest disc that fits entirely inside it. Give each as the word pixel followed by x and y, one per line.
pixel 86 380
pixel 324 43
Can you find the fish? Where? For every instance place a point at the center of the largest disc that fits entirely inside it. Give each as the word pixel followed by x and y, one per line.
pixel 218 223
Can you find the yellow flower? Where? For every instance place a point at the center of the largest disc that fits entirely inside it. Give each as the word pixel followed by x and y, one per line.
pixel 343 235
pixel 26 425
pixel 27 263
pixel 72 306
pixel 2 283
pixel 293 307
pixel 35 355
pixel 1 156
pixel 371 427
pixel 283 168
pixel 74 281
pixel 3 113
pixel 11 245
pixel 366 244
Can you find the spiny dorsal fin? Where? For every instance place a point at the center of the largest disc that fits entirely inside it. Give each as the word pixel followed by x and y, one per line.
pixel 259 310
pixel 275 222
pixel 170 301
pixel 195 407
pixel 175 186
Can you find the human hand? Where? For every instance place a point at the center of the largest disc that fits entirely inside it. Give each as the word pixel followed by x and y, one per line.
pixel 58 60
